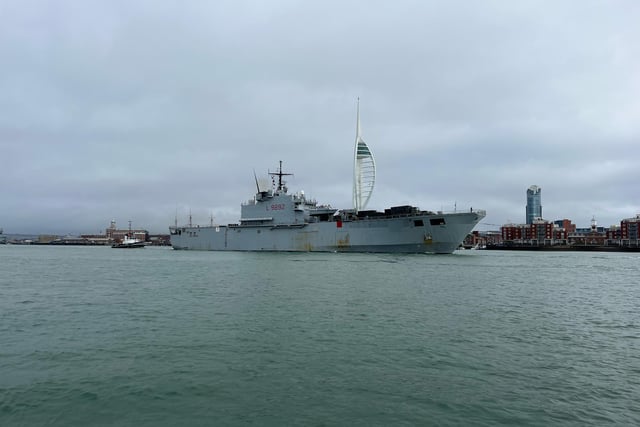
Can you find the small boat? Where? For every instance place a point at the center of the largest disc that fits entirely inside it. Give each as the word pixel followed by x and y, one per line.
pixel 129 242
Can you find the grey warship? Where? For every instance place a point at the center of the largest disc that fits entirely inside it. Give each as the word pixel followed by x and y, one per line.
pixel 274 220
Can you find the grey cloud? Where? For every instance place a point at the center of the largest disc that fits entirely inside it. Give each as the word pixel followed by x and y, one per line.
pixel 135 110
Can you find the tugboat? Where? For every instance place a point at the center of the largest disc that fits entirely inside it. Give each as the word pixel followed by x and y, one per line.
pixel 129 241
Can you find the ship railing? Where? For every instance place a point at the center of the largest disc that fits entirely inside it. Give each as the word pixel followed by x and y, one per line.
pixel 481 212
pixel 458 211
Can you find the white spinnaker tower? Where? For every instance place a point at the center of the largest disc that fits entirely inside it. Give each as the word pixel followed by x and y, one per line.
pixel 364 169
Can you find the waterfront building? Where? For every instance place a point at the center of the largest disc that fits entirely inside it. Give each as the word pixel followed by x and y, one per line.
pixel 159 240
pixel 630 231
pixel 96 239
pixel 512 232
pixel 115 234
pixel 47 238
pixel 534 203
pixel 539 232
pixel 593 229
pixel 566 224
pixel 593 236
pixel 614 234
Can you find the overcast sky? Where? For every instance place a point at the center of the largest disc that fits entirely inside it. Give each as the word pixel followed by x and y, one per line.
pixel 138 110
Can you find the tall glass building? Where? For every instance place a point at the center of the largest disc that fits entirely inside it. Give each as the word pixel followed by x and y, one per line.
pixel 534 203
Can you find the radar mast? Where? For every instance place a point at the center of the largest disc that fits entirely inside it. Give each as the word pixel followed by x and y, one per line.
pixel 281 182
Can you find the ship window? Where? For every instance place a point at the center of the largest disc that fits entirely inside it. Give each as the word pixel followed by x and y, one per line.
pixel 418 223
pixel 437 221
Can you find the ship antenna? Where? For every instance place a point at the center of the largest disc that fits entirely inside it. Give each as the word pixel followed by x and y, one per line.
pixel 280 174
pixel 256 178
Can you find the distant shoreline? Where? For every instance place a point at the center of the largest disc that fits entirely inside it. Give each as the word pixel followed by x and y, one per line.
pixel 560 248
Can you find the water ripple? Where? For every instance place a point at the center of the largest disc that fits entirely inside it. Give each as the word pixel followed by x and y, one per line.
pixel 93 336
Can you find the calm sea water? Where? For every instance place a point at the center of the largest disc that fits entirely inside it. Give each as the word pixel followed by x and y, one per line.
pixel 152 337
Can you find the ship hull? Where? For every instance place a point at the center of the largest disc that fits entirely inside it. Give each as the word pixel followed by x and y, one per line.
pixel 436 233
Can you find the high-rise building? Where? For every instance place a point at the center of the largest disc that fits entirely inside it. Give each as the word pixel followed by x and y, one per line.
pixel 534 203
